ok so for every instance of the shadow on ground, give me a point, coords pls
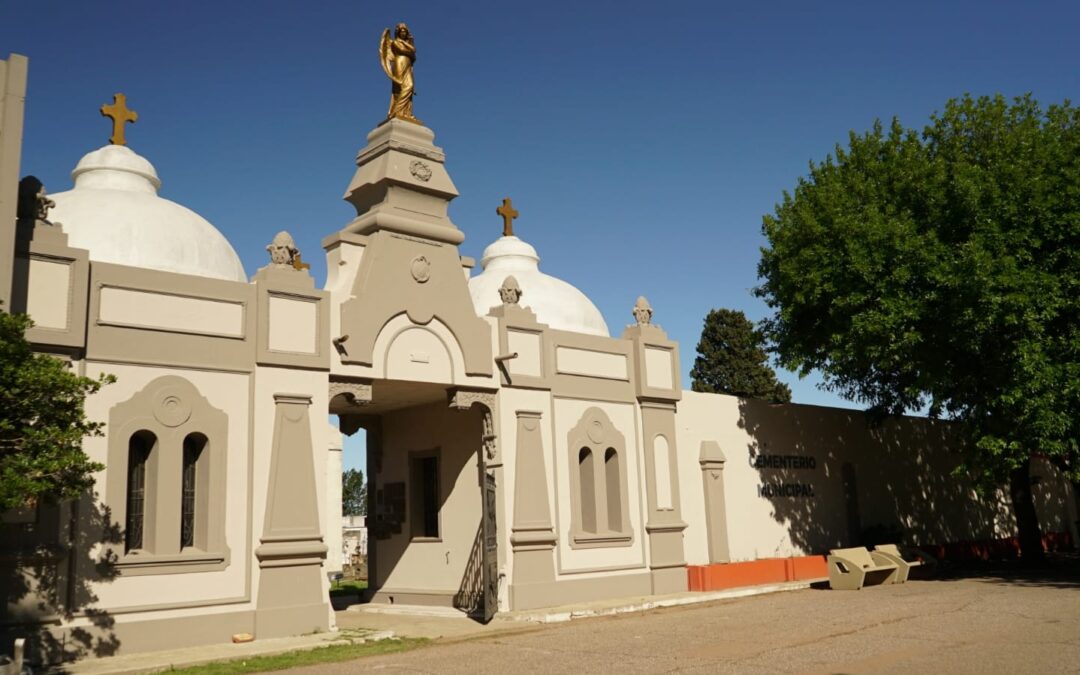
(1060, 570)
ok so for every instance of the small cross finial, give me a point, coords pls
(120, 114)
(508, 214)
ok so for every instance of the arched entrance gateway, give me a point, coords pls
(453, 380)
(413, 366)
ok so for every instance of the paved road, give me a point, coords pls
(1027, 624)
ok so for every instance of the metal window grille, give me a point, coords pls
(192, 449)
(138, 453)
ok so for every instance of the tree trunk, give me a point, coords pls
(1027, 520)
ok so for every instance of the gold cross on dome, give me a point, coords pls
(508, 214)
(120, 114)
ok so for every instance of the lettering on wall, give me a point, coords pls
(780, 487)
(783, 462)
(785, 490)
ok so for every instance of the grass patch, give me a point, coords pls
(347, 587)
(328, 654)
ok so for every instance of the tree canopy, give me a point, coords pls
(732, 360)
(42, 423)
(941, 270)
(353, 493)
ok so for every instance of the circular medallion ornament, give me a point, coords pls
(420, 268)
(421, 171)
(596, 431)
(170, 408)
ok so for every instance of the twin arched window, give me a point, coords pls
(143, 451)
(598, 480)
(170, 501)
(609, 486)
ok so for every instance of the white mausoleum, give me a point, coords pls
(520, 454)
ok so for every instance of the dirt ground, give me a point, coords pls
(1004, 620)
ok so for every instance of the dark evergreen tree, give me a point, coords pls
(732, 360)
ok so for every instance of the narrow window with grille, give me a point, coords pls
(193, 450)
(139, 446)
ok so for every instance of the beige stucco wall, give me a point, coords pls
(432, 566)
(171, 312)
(268, 382)
(903, 476)
(403, 350)
(1054, 499)
(294, 325)
(582, 561)
(510, 401)
(228, 392)
(332, 513)
(48, 293)
(12, 98)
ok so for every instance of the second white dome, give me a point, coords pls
(555, 302)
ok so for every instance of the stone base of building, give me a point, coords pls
(573, 591)
(669, 580)
(407, 596)
(297, 620)
(105, 635)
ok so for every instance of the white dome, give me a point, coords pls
(114, 212)
(555, 302)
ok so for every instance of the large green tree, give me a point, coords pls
(353, 493)
(42, 423)
(732, 360)
(941, 270)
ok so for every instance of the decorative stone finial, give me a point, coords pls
(34, 205)
(283, 251)
(508, 214)
(397, 55)
(510, 291)
(643, 311)
(120, 114)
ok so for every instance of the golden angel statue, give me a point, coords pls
(397, 56)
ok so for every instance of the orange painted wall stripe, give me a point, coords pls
(779, 570)
(755, 572)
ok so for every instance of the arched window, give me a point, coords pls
(588, 489)
(139, 446)
(599, 502)
(613, 483)
(171, 501)
(193, 488)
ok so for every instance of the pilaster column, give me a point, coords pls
(712, 476)
(532, 535)
(665, 525)
(291, 598)
(656, 379)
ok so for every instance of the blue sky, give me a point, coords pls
(641, 142)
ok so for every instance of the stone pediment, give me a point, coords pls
(411, 264)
